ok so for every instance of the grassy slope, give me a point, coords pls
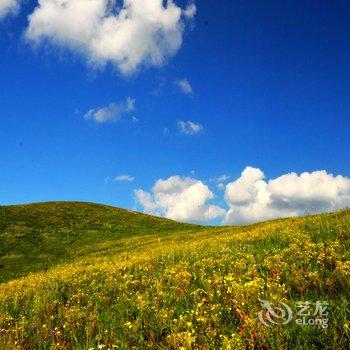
(128, 280)
(36, 237)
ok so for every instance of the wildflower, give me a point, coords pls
(128, 325)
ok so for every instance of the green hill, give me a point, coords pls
(35, 237)
(87, 276)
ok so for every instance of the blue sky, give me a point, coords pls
(270, 90)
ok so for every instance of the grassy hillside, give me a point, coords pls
(36, 237)
(109, 278)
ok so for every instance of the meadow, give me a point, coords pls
(87, 276)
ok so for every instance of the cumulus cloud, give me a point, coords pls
(189, 128)
(251, 198)
(124, 178)
(180, 198)
(8, 7)
(184, 86)
(112, 112)
(129, 34)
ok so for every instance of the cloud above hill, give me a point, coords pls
(251, 198)
(8, 7)
(112, 112)
(180, 198)
(128, 34)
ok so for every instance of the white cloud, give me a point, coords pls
(138, 33)
(8, 7)
(189, 128)
(184, 86)
(190, 11)
(112, 112)
(251, 198)
(180, 198)
(124, 178)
